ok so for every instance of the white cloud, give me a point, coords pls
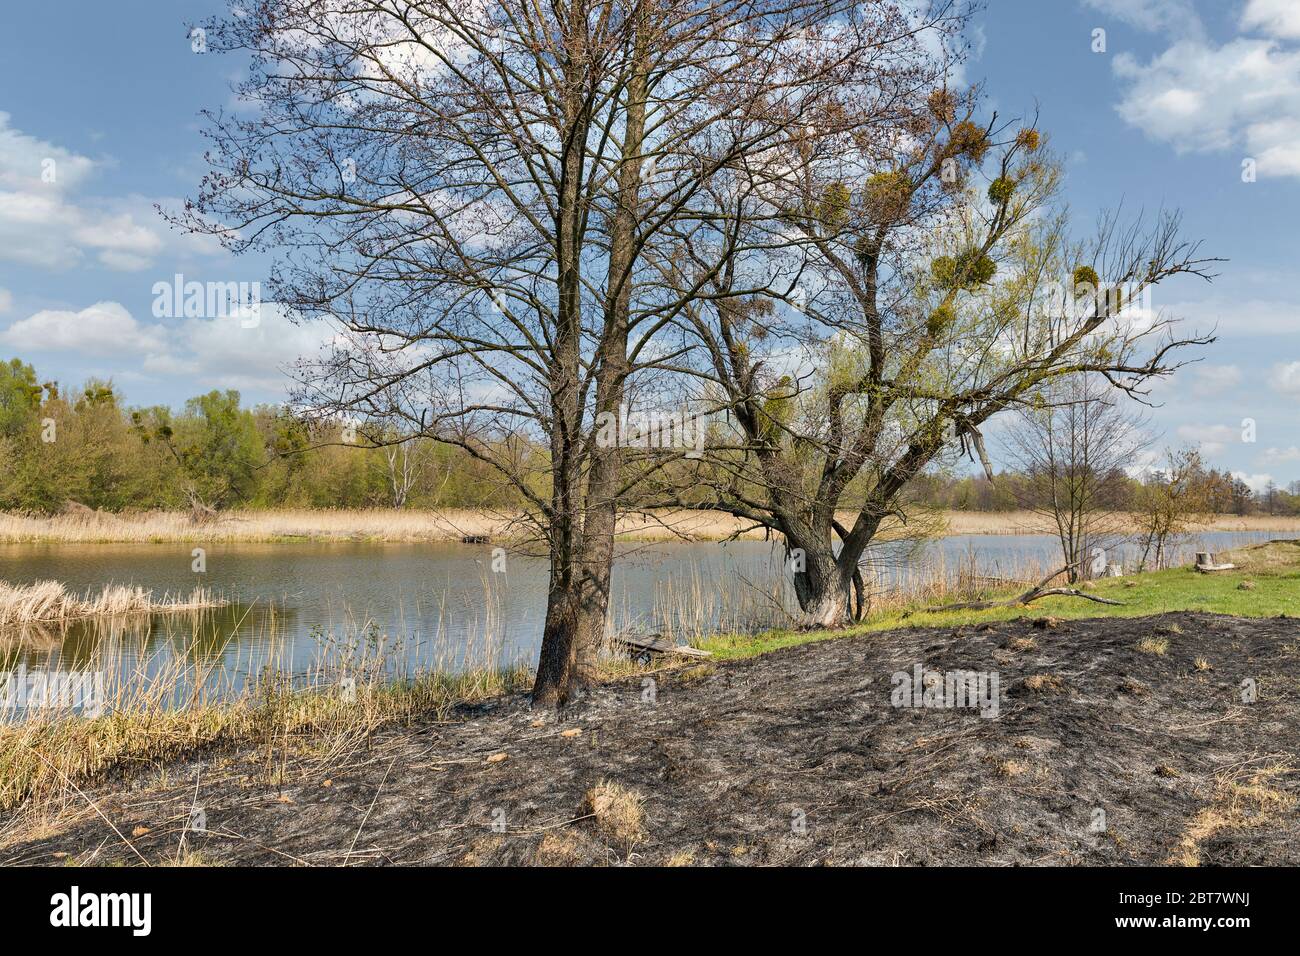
(1212, 439)
(222, 353)
(209, 352)
(1152, 15)
(6, 300)
(105, 328)
(1256, 483)
(1199, 97)
(1240, 318)
(1286, 378)
(1279, 18)
(28, 163)
(1218, 377)
(45, 223)
(1278, 456)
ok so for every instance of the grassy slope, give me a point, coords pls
(1274, 569)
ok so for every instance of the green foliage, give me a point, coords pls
(90, 449)
(940, 321)
(969, 269)
(969, 140)
(1086, 281)
(20, 398)
(889, 195)
(220, 448)
(778, 407)
(1000, 190)
(1028, 139)
(833, 211)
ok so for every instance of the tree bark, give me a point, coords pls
(557, 670)
(557, 664)
(825, 587)
(601, 512)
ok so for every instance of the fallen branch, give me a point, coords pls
(1039, 590)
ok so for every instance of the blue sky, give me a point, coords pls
(1164, 117)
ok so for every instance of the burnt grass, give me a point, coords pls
(794, 757)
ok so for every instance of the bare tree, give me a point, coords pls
(1073, 446)
(404, 460)
(474, 194)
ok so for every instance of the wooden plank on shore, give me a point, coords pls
(657, 644)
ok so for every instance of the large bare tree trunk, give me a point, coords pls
(557, 664)
(607, 463)
(557, 670)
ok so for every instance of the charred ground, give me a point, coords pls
(793, 757)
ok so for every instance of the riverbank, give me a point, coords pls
(1103, 752)
(460, 524)
(1181, 726)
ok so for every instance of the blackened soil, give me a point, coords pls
(1115, 755)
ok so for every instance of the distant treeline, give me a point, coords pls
(90, 448)
(1220, 492)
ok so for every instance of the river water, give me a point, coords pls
(302, 607)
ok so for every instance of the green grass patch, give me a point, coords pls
(1273, 567)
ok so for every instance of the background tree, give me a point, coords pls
(1074, 445)
(216, 447)
(1168, 502)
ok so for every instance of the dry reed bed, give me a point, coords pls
(50, 603)
(382, 524)
(369, 524)
(1028, 522)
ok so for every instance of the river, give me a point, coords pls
(306, 607)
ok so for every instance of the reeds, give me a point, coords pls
(1029, 522)
(453, 524)
(49, 603)
(182, 696)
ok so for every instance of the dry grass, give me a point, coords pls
(189, 697)
(50, 603)
(1242, 800)
(364, 524)
(1040, 683)
(695, 608)
(42, 759)
(1028, 522)
(1153, 645)
(379, 524)
(617, 811)
(1131, 685)
(559, 849)
(452, 524)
